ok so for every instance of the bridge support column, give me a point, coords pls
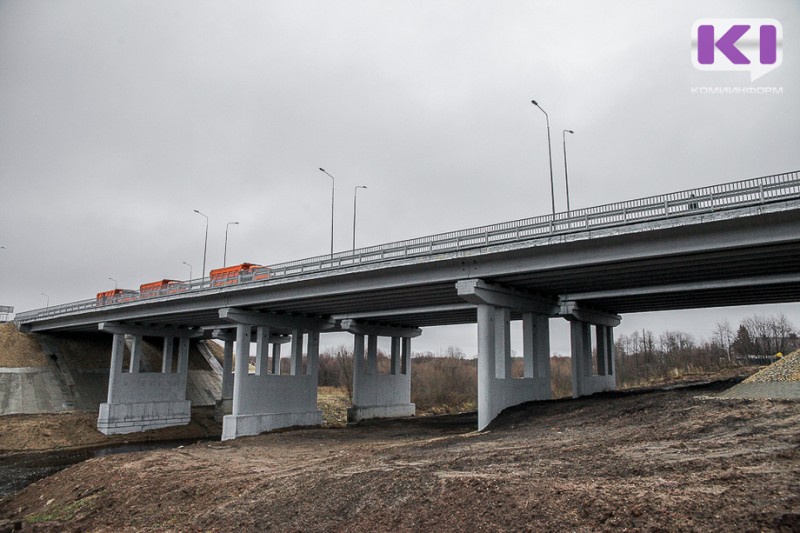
(224, 404)
(378, 395)
(227, 375)
(497, 389)
(138, 401)
(264, 400)
(588, 376)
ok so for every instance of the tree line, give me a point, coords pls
(643, 357)
(447, 382)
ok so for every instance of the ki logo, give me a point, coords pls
(754, 45)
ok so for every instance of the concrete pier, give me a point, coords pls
(138, 401)
(224, 404)
(264, 400)
(497, 389)
(587, 377)
(378, 395)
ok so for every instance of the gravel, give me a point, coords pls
(786, 368)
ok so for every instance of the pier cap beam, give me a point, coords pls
(230, 335)
(121, 328)
(276, 321)
(574, 312)
(478, 292)
(364, 328)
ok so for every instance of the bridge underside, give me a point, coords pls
(259, 395)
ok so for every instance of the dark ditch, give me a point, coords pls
(20, 470)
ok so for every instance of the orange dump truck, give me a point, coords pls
(115, 296)
(233, 275)
(161, 287)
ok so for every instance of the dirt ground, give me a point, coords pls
(73, 430)
(657, 461)
(78, 429)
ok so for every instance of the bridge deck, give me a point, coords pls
(731, 244)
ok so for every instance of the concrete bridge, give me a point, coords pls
(731, 244)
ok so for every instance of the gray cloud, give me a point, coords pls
(120, 118)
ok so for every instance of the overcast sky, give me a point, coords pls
(119, 118)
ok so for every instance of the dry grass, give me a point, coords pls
(442, 385)
(333, 402)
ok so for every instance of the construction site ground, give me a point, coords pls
(663, 460)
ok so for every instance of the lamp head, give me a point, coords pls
(534, 103)
(569, 131)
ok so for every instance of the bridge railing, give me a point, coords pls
(746, 193)
(694, 201)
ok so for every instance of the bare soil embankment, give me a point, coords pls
(18, 350)
(658, 461)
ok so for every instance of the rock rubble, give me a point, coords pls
(786, 368)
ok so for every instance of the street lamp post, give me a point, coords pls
(115, 283)
(205, 245)
(190, 269)
(355, 196)
(566, 178)
(550, 154)
(333, 193)
(225, 255)
(47, 301)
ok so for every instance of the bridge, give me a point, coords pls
(732, 244)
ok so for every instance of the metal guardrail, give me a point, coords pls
(739, 194)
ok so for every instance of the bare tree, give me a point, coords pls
(455, 352)
(764, 335)
(344, 356)
(723, 338)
